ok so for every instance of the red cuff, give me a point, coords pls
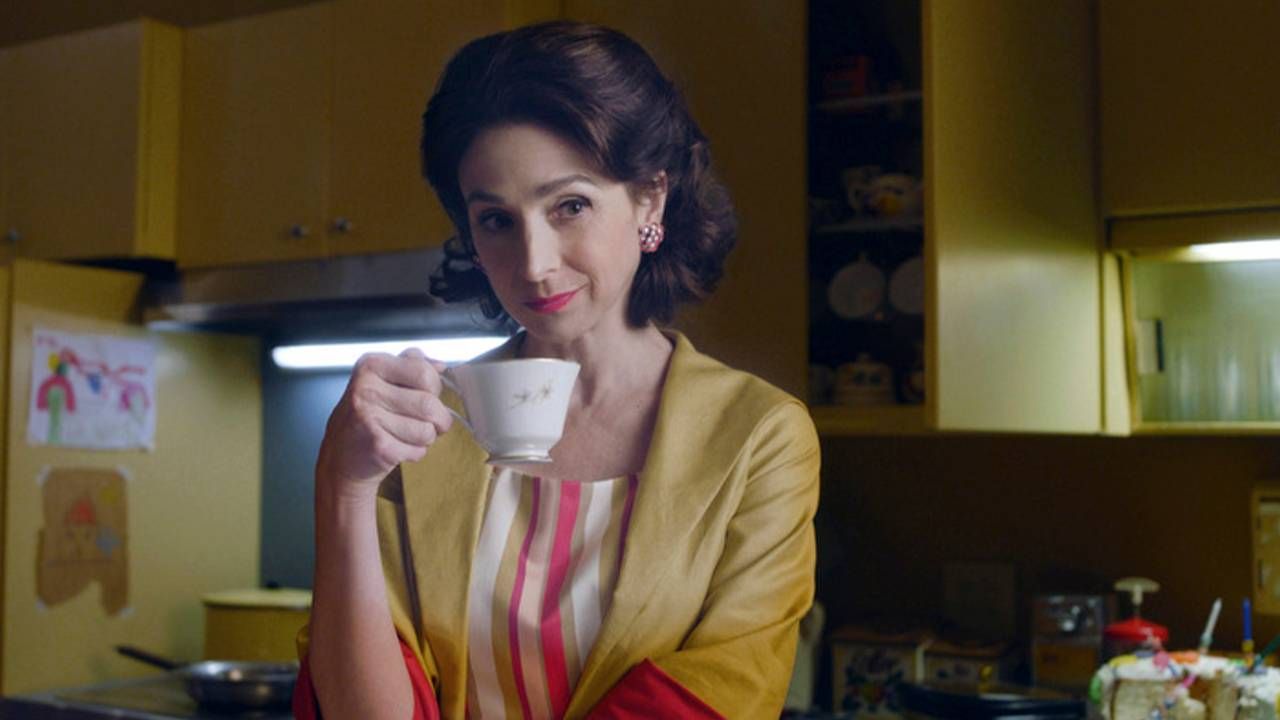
(648, 692)
(307, 707)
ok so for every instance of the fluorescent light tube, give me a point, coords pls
(344, 355)
(1243, 250)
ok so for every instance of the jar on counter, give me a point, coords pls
(868, 666)
(254, 624)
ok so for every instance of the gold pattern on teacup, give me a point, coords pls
(528, 396)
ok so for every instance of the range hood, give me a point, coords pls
(354, 297)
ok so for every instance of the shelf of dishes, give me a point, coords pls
(866, 333)
(872, 200)
(865, 102)
(836, 420)
(872, 225)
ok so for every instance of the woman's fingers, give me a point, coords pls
(414, 353)
(413, 433)
(437, 413)
(417, 434)
(410, 369)
(418, 405)
(389, 449)
(439, 367)
(391, 413)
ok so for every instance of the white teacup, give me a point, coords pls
(515, 408)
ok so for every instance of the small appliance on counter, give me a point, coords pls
(1067, 639)
(1136, 633)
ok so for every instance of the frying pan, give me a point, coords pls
(227, 684)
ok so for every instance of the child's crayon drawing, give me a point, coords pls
(92, 391)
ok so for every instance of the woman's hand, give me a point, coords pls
(390, 413)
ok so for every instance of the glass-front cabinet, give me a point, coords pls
(866, 216)
(1201, 309)
(1208, 345)
(953, 231)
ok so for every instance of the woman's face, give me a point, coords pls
(558, 240)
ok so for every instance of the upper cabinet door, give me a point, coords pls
(256, 138)
(89, 143)
(1190, 111)
(386, 64)
(1012, 233)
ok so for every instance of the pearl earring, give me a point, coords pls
(650, 237)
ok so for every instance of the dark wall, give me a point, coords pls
(1070, 513)
(295, 407)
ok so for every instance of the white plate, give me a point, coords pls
(906, 287)
(857, 290)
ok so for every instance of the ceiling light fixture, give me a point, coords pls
(333, 356)
(1234, 251)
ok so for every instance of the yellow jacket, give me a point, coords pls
(719, 559)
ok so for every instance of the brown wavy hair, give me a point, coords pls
(600, 90)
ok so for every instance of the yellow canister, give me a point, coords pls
(254, 624)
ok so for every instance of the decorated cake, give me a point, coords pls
(1184, 686)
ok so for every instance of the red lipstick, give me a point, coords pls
(551, 303)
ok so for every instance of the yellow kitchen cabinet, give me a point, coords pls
(302, 127)
(1190, 116)
(1012, 236)
(193, 503)
(387, 57)
(255, 138)
(89, 143)
(1011, 251)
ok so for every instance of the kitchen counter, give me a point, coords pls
(160, 696)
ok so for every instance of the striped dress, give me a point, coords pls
(544, 571)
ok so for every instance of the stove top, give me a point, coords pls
(158, 697)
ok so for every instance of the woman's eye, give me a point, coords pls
(494, 222)
(573, 207)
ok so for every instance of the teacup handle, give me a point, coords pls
(449, 383)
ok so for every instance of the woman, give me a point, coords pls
(659, 565)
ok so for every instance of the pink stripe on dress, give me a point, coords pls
(530, 612)
(552, 638)
(513, 619)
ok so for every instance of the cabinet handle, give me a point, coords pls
(342, 225)
(12, 236)
(299, 231)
